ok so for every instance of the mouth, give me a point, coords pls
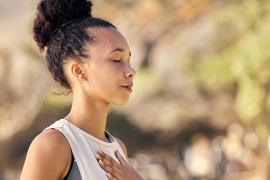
(128, 87)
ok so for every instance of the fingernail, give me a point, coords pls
(100, 162)
(97, 156)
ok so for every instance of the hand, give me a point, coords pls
(116, 171)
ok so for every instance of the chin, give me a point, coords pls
(120, 102)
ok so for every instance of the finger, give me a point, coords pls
(105, 167)
(120, 158)
(106, 156)
(110, 163)
(108, 160)
(113, 172)
(110, 177)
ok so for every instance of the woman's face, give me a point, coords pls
(108, 67)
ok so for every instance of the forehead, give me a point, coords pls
(108, 39)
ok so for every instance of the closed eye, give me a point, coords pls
(117, 60)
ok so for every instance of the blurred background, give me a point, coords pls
(200, 105)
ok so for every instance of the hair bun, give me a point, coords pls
(52, 14)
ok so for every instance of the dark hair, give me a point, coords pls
(61, 27)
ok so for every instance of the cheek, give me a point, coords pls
(106, 77)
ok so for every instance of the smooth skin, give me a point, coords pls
(96, 84)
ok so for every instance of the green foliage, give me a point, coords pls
(245, 61)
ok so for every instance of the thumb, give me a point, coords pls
(120, 158)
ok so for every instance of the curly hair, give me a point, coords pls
(61, 27)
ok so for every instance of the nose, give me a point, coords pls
(130, 72)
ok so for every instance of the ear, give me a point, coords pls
(78, 71)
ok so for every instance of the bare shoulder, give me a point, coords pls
(123, 146)
(48, 152)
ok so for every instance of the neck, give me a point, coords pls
(89, 115)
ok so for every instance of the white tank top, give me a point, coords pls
(84, 147)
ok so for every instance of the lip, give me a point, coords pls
(128, 86)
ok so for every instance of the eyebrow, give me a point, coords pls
(120, 50)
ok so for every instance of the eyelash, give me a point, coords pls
(117, 60)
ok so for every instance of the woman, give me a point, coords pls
(91, 58)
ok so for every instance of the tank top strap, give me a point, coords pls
(84, 147)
